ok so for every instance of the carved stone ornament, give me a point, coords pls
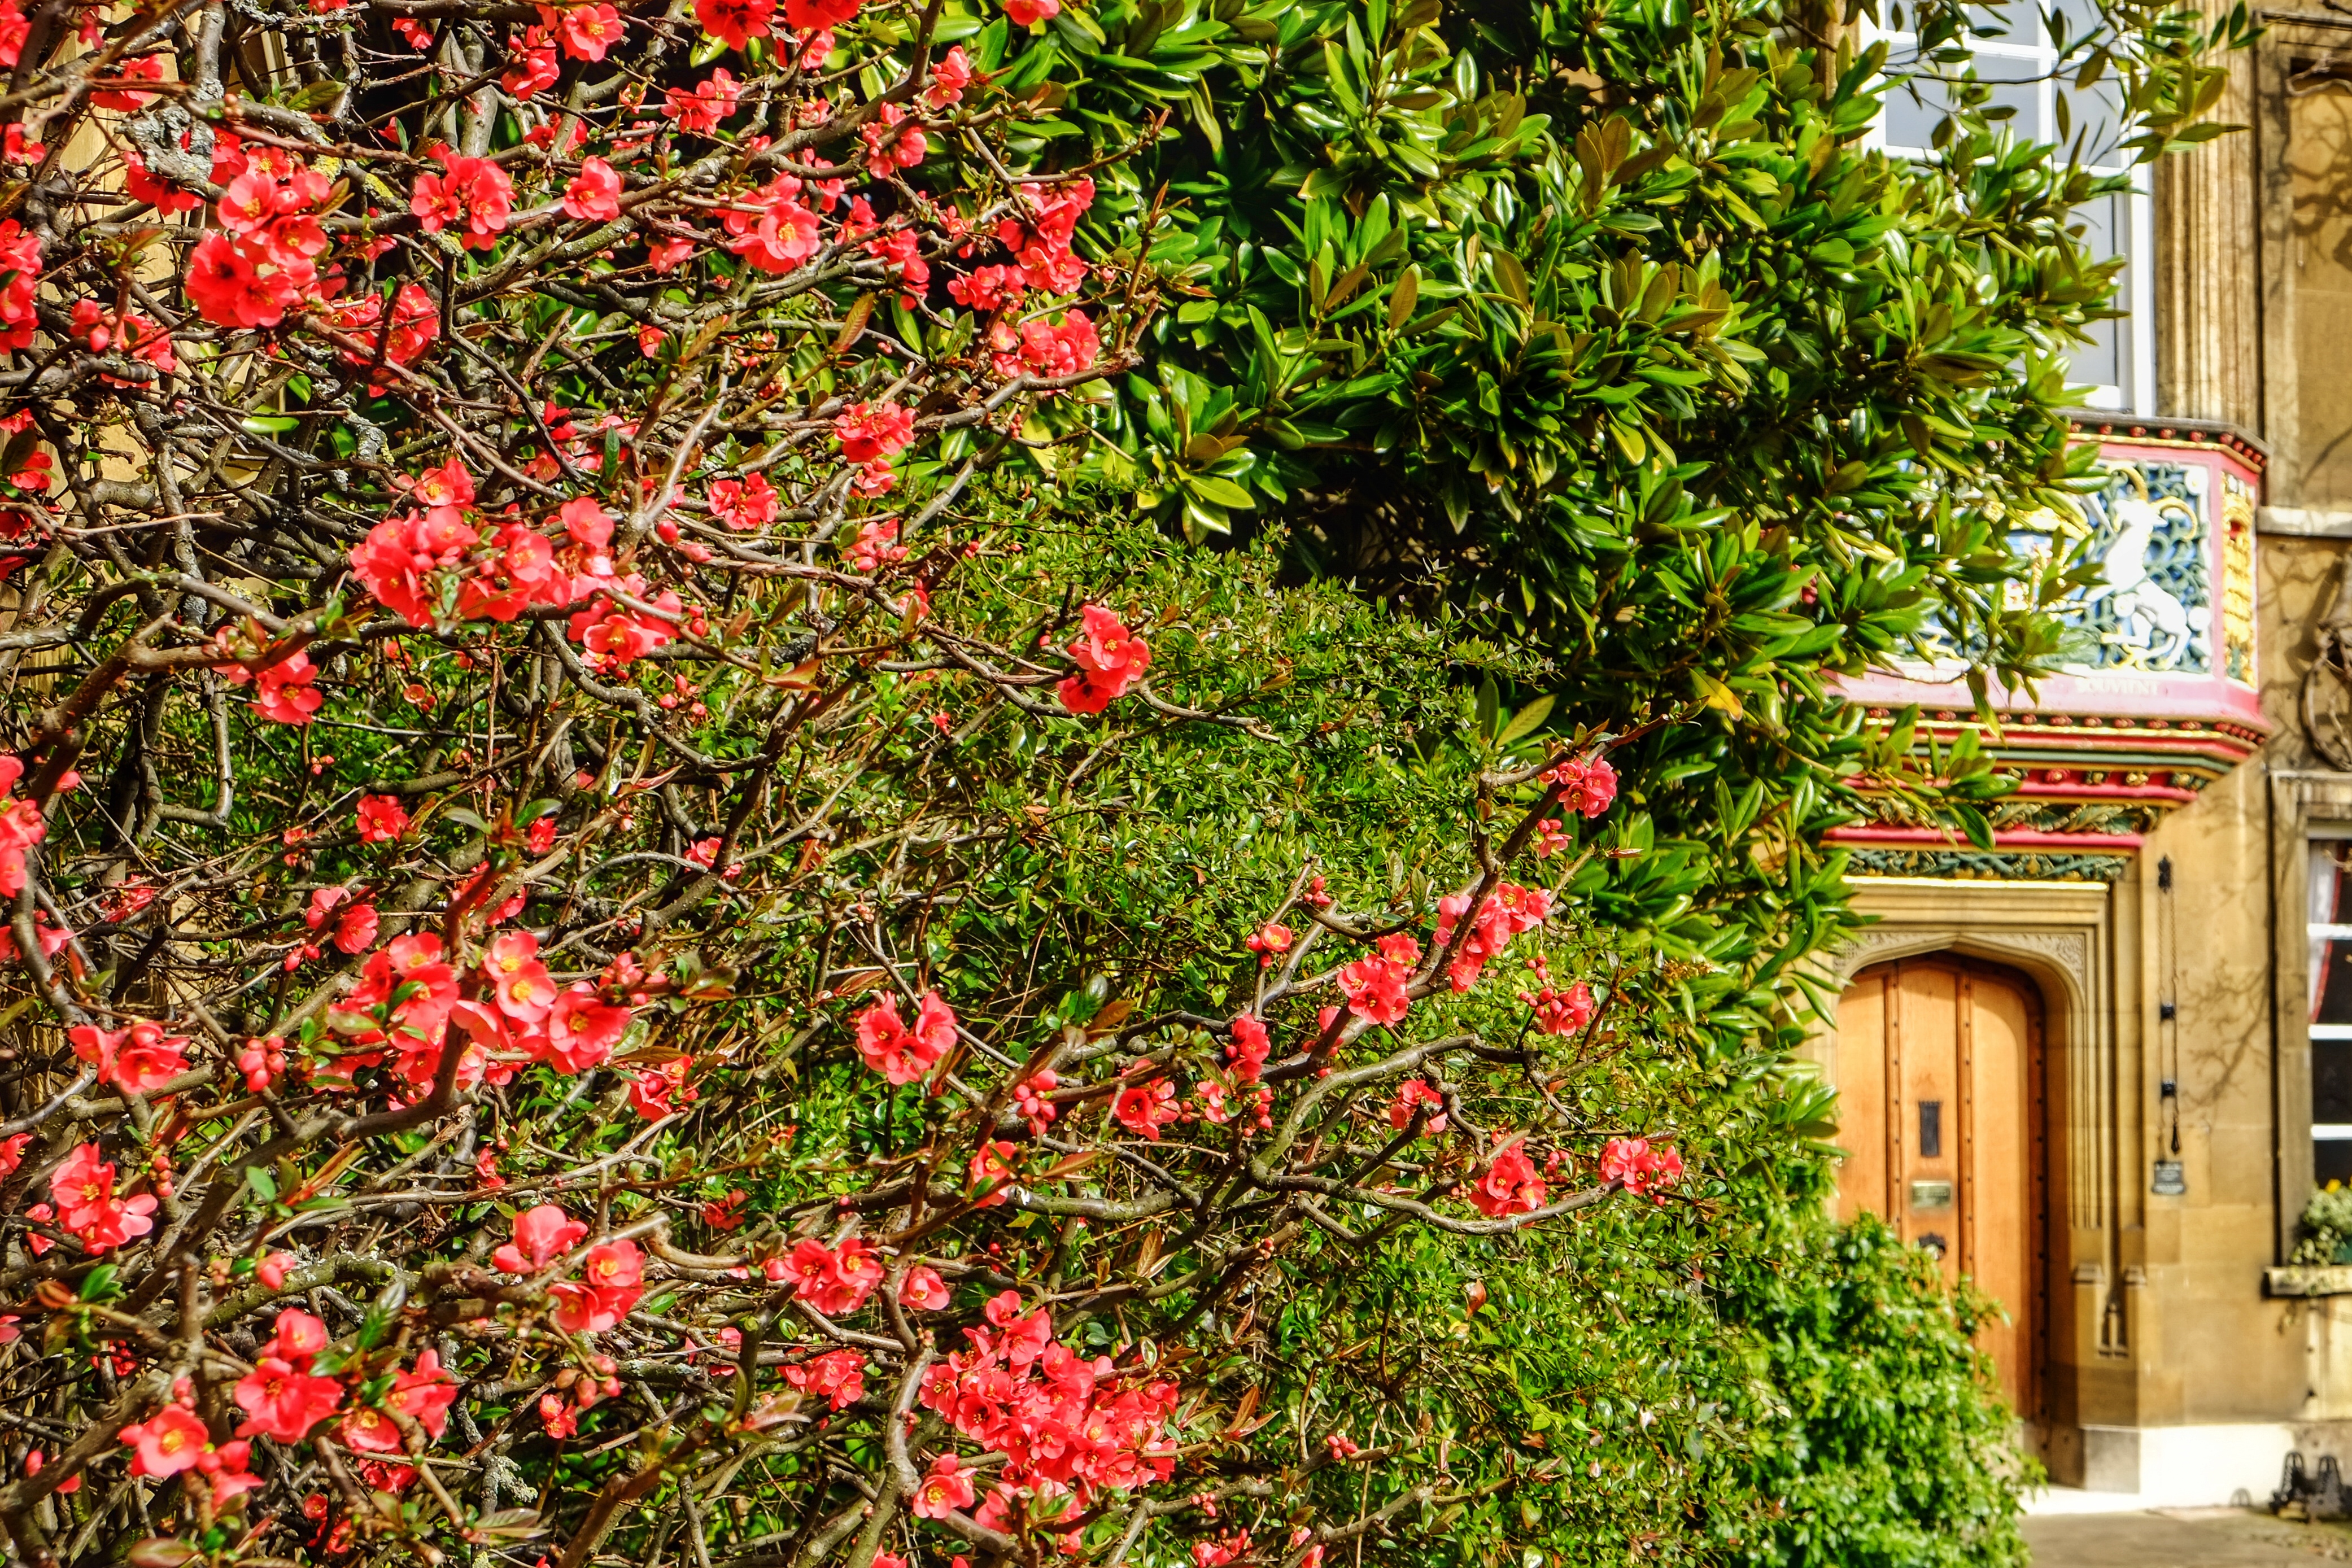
(2328, 684)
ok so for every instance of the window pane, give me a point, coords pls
(2331, 1081)
(2096, 117)
(2101, 362)
(2331, 1160)
(2330, 900)
(1912, 112)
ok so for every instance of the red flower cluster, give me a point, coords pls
(774, 229)
(1247, 1052)
(744, 505)
(21, 827)
(286, 695)
(838, 1378)
(176, 1440)
(416, 323)
(1507, 912)
(280, 1398)
(1635, 1165)
(902, 1054)
(1046, 350)
(424, 1394)
(1509, 1183)
(1589, 786)
(20, 276)
(83, 1188)
(133, 1059)
(612, 1281)
(1110, 658)
(541, 1235)
(263, 260)
(1065, 1424)
(835, 1280)
(1561, 1012)
(1144, 1108)
(711, 101)
(472, 198)
(1375, 987)
(528, 1016)
(123, 332)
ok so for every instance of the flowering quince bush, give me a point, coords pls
(608, 1096)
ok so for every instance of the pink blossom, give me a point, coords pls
(595, 192)
(541, 1235)
(168, 1442)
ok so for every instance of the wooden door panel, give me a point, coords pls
(1999, 1186)
(1940, 1100)
(1862, 1095)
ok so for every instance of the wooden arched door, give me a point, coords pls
(1939, 1077)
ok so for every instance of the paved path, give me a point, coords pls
(2183, 1538)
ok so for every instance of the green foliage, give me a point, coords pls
(2325, 1227)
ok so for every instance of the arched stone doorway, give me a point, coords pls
(1941, 1078)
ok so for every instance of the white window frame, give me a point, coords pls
(2136, 331)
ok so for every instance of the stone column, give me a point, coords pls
(2208, 282)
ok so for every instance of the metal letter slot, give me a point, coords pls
(1931, 1129)
(1931, 1195)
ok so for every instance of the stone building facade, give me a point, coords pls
(2103, 1067)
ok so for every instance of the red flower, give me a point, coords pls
(83, 1187)
(282, 1403)
(871, 430)
(1248, 1051)
(735, 22)
(1268, 940)
(472, 197)
(1145, 1108)
(898, 1053)
(1509, 1183)
(586, 31)
(541, 1235)
(1589, 787)
(950, 77)
(286, 696)
(1375, 988)
(382, 821)
(924, 1290)
(425, 1392)
(168, 1442)
(582, 1029)
(133, 1059)
(1110, 658)
(596, 193)
(991, 1172)
(1029, 13)
(1633, 1164)
(944, 1490)
(613, 1278)
(1412, 1095)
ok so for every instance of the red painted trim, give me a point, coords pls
(2035, 788)
(2006, 838)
